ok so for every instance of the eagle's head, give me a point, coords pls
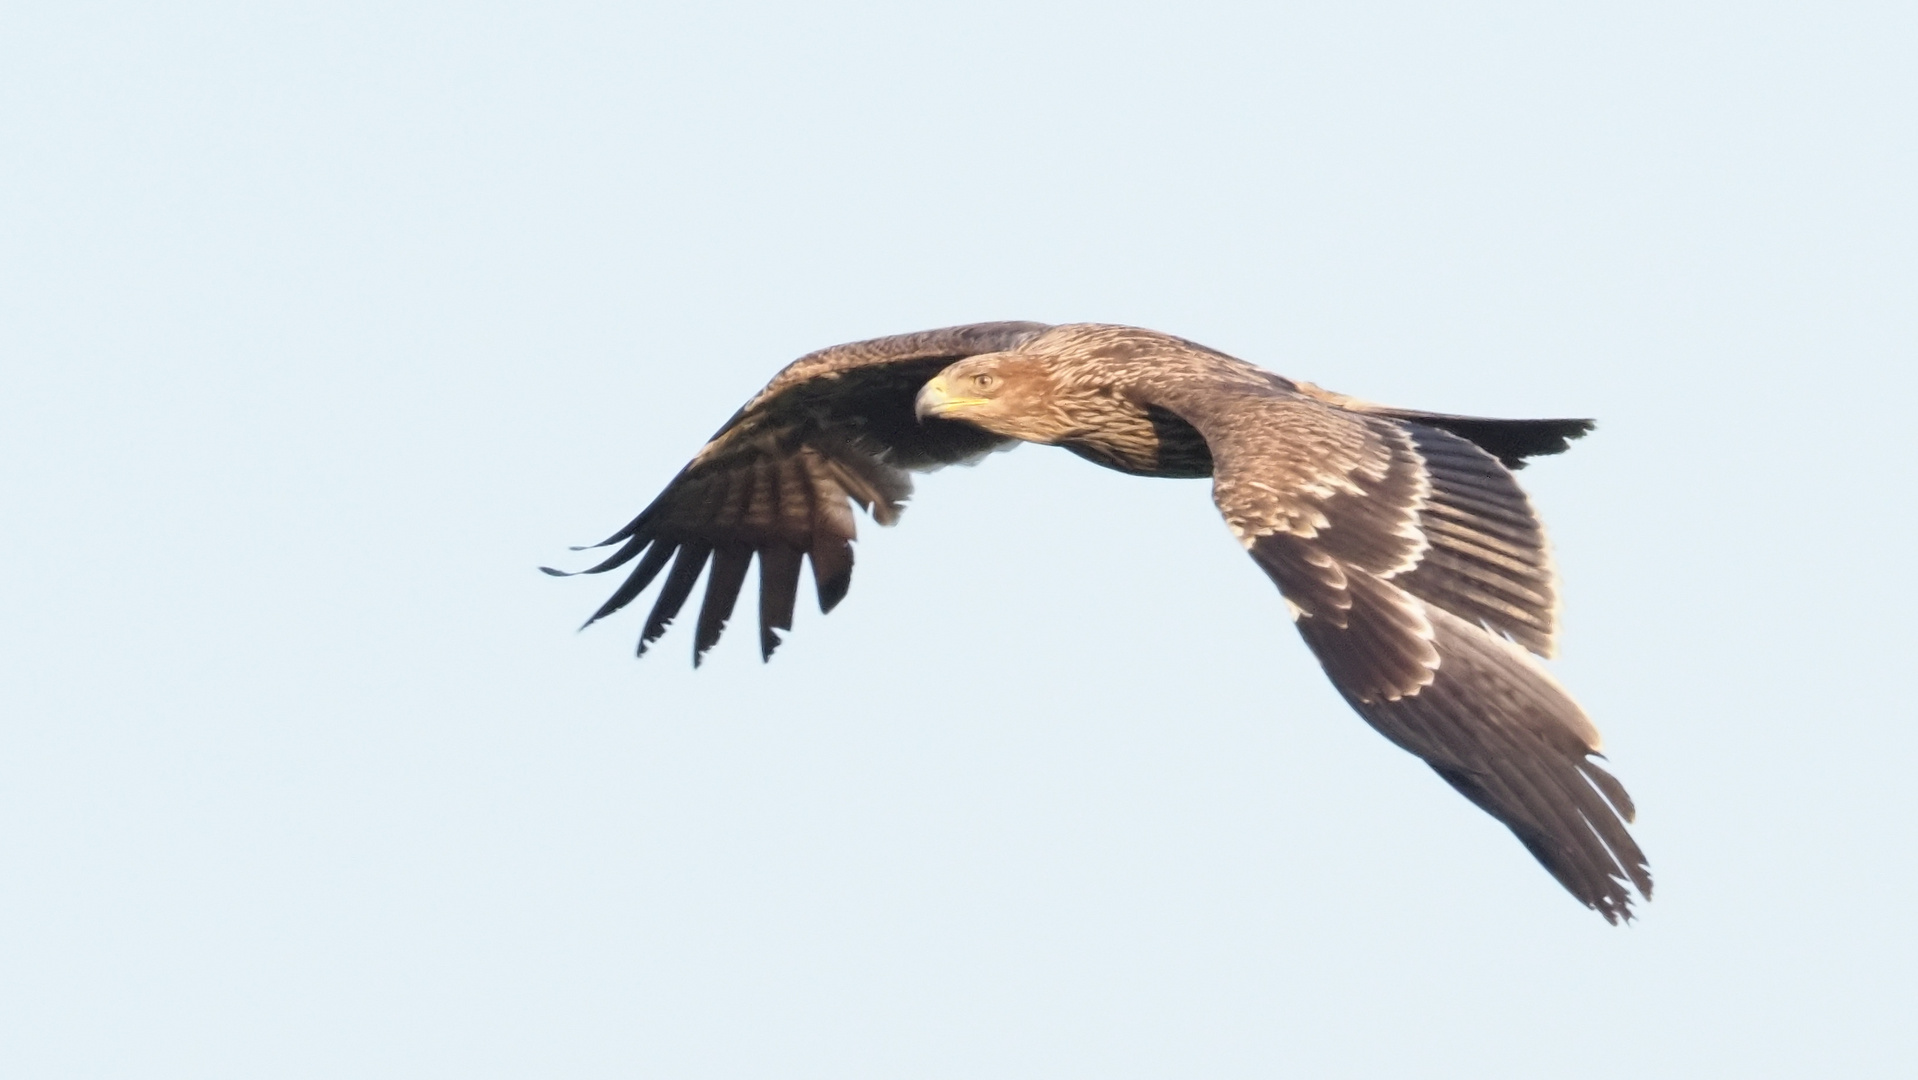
(1010, 394)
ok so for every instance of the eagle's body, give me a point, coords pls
(1413, 564)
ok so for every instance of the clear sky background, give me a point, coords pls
(321, 326)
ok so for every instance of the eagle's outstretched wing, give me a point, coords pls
(1416, 569)
(834, 425)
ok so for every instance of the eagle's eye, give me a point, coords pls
(984, 381)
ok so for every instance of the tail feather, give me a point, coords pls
(1510, 441)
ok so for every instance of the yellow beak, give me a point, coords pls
(934, 401)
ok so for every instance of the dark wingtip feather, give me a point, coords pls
(779, 567)
(618, 558)
(613, 539)
(722, 591)
(672, 595)
(634, 545)
(636, 582)
(832, 591)
(831, 558)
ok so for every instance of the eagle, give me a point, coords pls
(1413, 565)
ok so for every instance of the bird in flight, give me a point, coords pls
(1412, 564)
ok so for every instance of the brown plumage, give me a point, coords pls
(1414, 566)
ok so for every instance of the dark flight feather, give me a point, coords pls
(635, 583)
(687, 566)
(778, 589)
(722, 592)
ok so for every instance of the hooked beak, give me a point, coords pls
(934, 401)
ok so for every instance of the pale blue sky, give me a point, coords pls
(322, 326)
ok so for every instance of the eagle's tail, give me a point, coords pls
(1510, 441)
